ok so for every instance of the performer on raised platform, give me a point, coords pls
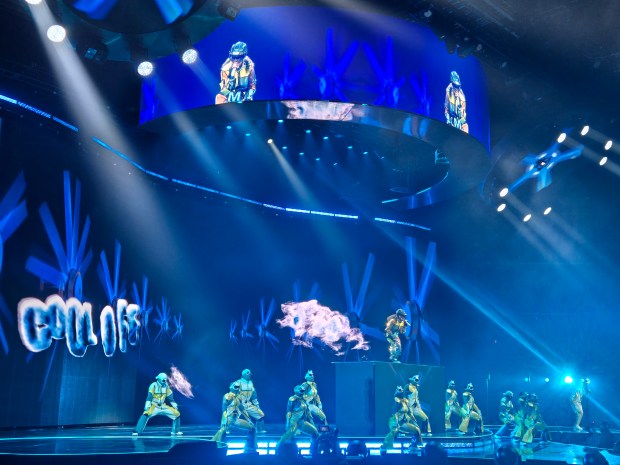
(234, 415)
(160, 401)
(395, 325)
(249, 399)
(533, 421)
(311, 396)
(452, 404)
(506, 415)
(575, 402)
(414, 402)
(401, 420)
(470, 411)
(298, 416)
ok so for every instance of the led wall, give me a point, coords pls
(325, 54)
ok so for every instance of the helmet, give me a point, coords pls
(586, 381)
(415, 379)
(400, 312)
(469, 387)
(246, 374)
(399, 392)
(310, 375)
(533, 398)
(238, 51)
(300, 390)
(452, 384)
(455, 79)
(235, 386)
(508, 394)
(162, 378)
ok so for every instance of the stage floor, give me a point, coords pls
(118, 440)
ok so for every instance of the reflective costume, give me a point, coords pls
(395, 325)
(533, 421)
(470, 411)
(519, 417)
(575, 403)
(452, 404)
(311, 396)
(414, 402)
(401, 421)
(237, 76)
(247, 396)
(298, 416)
(455, 104)
(506, 415)
(235, 416)
(160, 401)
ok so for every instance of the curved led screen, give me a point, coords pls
(312, 53)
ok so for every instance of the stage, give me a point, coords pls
(106, 444)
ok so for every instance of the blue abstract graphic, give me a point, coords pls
(146, 307)
(331, 82)
(262, 328)
(162, 320)
(110, 284)
(290, 78)
(389, 87)
(12, 214)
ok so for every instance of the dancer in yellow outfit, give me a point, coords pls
(575, 402)
(533, 421)
(452, 404)
(506, 414)
(298, 416)
(311, 396)
(395, 325)
(401, 420)
(235, 416)
(414, 402)
(160, 401)
(470, 411)
(249, 399)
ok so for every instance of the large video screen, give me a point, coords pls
(313, 53)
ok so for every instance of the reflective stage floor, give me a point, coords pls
(115, 444)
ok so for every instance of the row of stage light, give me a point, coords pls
(57, 33)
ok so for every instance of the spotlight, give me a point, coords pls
(503, 192)
(585, 130)
(501, 208)
(56, 33)
(568, 379)
(547, 211)
(608, 145)
(228, 9)
(527, 217)
(562, 137)
(547, 380)
(189, 56)
(33, 2)
(145, 68)
(603, 161)
(270, 141)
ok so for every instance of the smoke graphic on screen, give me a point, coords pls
(179, 382)
(310, 320)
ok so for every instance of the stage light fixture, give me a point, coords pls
(140, 57)
(189, 56)
(527, 217)
(608, 145)
(228, 9)
(145, 68)
(503, 192)
(33, 2)
(93, 51)
(603, 161)
(501, 208)
(585, 130)
(547, 211)
(568, 379)
(562, 137)
(56, 33)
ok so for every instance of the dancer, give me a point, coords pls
(395, 325)
(470, 411)
(575, 402)
(311, 396)
(533, 422)
(414, 402)
(160, 401)
(517, 433)
(249, 399)
(505, 413)
(235, 416)
(455, 105)
(452, 404)
(298, 416)
(403, 421)
(237, 76)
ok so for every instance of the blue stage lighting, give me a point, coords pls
(568, 379)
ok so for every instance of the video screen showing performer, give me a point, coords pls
(237, 76)
(455, 105)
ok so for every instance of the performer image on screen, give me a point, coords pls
(395, 325)
(249, 399)
(414, 402)
(160, 401)
(401, 421)
(235, 416)
(311, 396)
(455, 104)
(506, 415)
(575, 402)
(298, 416)
(470, 411)
(452, 404)
(237, 76)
